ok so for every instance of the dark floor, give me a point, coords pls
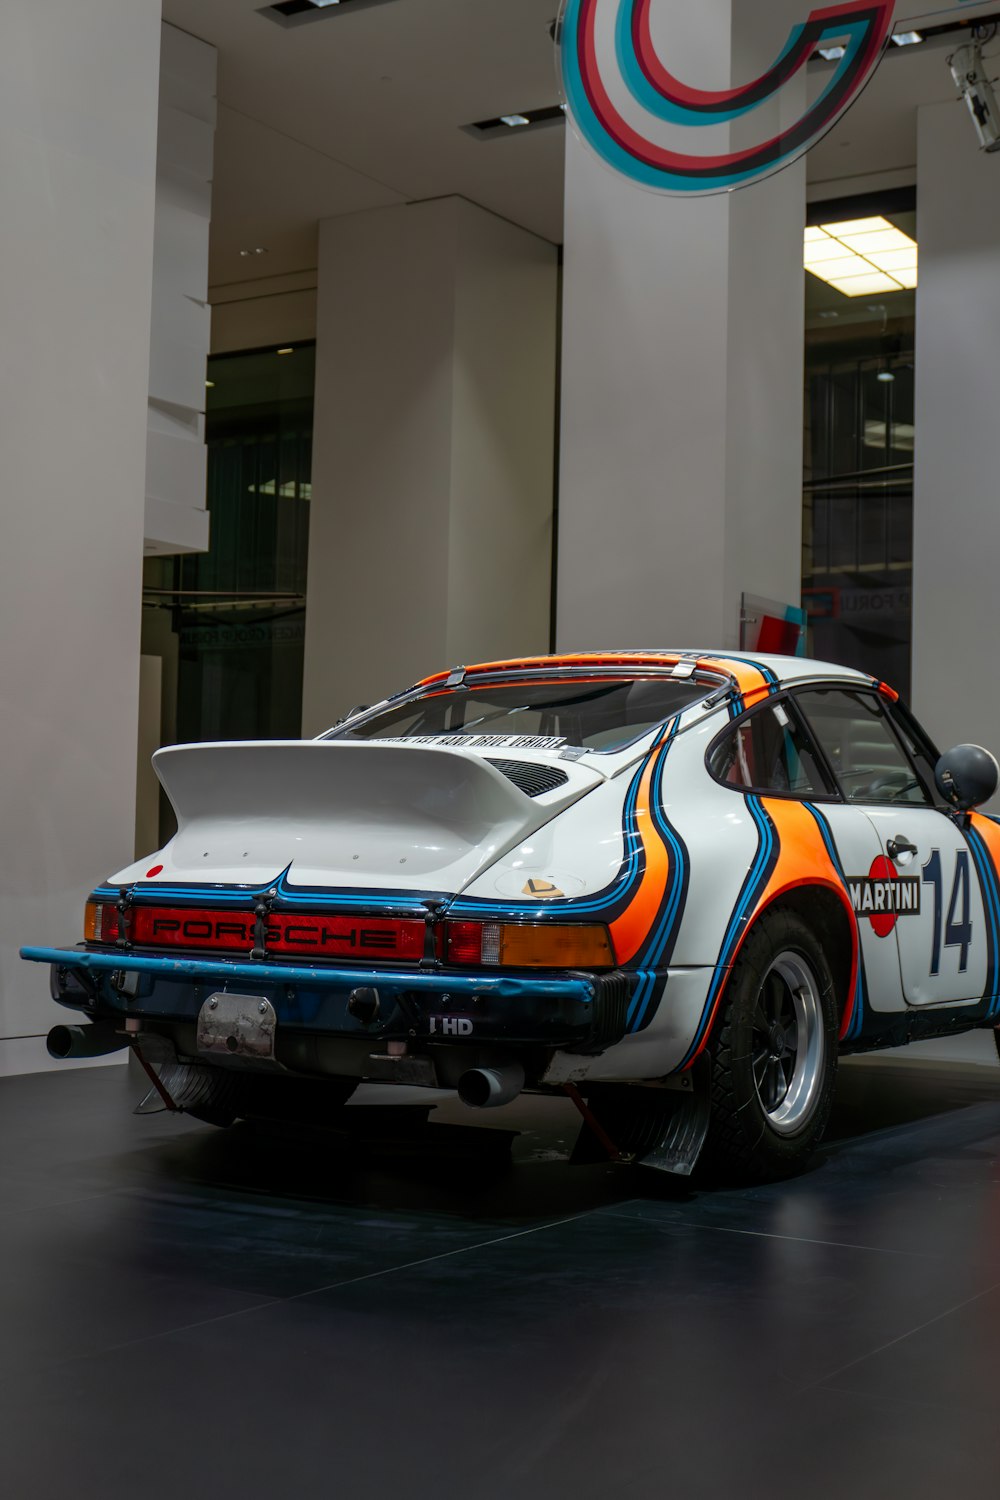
(195, 1313)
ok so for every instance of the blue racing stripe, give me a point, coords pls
(750, 893)
(859, 998)
(991, 901)
(651, 959)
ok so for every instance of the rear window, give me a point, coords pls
(591, 715)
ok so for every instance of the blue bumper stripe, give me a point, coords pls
(538, 986)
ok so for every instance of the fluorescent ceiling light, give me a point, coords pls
(894, 260)
(907, 38)
(864, 284)
(856, 226)
(515, 119)
(831, 54)
(876, 244)
(860, 257)
(820, 255)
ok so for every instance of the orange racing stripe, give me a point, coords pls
(803, 860)
(632, 928)
(989, 832)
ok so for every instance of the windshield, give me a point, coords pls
(591, 715)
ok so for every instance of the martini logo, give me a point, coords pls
(642, 120)
(883, 896)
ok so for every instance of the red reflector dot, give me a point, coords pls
(155, 870)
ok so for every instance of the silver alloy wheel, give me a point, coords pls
(788, 1043)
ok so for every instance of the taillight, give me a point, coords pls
(526, 945)
(100, 922)
(473, 942)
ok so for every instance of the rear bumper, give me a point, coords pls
(566, 1011)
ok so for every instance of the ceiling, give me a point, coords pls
(362, 109)
(365, 109)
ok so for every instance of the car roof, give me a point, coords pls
(785, 669)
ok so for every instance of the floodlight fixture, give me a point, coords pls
(968, 70)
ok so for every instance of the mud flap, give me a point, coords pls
(661, 1128)
(212, 1094)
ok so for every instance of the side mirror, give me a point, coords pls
(967, 776)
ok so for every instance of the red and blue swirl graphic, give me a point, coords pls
(607, 52)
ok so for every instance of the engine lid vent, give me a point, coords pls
(529, 777)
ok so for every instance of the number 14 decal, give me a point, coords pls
(957, 928)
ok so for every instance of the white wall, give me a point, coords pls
(956, 510)
(78, 91)
(176, 512)
(433, 450)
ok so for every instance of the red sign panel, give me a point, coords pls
(303, 933)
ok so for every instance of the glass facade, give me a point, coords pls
(230, 623)
(858, 485)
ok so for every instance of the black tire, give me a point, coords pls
(774, 1063)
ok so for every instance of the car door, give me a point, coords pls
(922, 890)
(772, 751)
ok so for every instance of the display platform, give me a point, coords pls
(188, 1311)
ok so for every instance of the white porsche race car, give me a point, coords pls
(675, 885)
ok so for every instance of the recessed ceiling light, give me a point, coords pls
(831, 54)
(498, 125)
(257, 250)
(861, 257)
(885, 376)
(907, 38)
(209, 385)
(291, 12)
(285, 351)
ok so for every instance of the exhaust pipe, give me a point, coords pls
(487, 1088)
(85, 1041)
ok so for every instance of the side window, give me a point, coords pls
(768, 751)
(866, 757)
(919, 749)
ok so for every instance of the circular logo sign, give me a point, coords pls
(657, 128)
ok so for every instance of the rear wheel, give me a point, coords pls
(775, 1056)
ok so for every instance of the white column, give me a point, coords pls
(681, 434)
(78, 93)
(430, 534)
(956, 512)
(176, 503)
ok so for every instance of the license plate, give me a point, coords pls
(237, 1026)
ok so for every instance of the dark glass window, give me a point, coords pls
(859, 442)
(230, 623)
(769, 751)
(867, 759)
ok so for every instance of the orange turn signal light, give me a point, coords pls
(100, 922)
(528, 945)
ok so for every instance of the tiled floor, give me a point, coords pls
(191, 1312)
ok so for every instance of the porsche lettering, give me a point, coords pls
(282, 933)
